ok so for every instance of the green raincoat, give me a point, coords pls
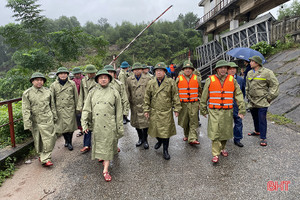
(123, 75)
(188, 116)
(85, 86)
(220, 121)
(160, 102)
(38, 117)
(262, 87)
(65, 101)
(103, 109)
(120, 87)
(136, 92)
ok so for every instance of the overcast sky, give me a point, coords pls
(115, 11)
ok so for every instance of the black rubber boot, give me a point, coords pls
(66, 139)
(166, 146)
(158, 144)
(140, 134)
(124, 119)
(70, 136)
(145, 138)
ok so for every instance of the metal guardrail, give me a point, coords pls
(213, 12)
(11, 119)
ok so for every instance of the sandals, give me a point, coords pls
(254, 133)
(194, 142)
(263, 142)
(224, 153)
(215, 159)
(85, 149)
(107, 176)
(79, 134)
(185, 139)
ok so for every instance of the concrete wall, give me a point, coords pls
(206, 6)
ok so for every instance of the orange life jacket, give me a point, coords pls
(221, 97)
(188, 91)
(172, 68)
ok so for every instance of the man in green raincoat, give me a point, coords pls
(103, 107)
(161, 99)
(136, 86)
(123, 75)
(146, 70)
(39, 117)
(65, 96)
(262, 87)
(217, 101)
(86, 85)
(120, 87)
(190, 90)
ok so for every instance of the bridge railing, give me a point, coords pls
(11, 120)
(213, 11)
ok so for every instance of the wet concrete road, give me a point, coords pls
(190, 174)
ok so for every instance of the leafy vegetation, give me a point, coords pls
(286, 44)
(279, 119)
(263, 47)
(266, 49)
(8, 169)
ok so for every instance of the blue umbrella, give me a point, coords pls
(245, 53)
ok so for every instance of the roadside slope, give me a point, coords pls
(286, 66)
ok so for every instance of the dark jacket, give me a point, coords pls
(241, 83)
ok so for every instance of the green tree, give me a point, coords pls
(67, 44)
(34, 59)
(93, 29)
(103, 23)
(189, 20)
(15, 81)
(99, 44)
(15, 35)
(27, 12)
(64, 22)
(291, 11)
(30, 31)
(5, 51)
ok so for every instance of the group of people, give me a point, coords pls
(98, 104)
